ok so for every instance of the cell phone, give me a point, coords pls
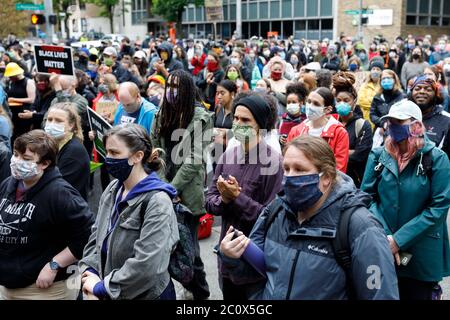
(235, 234)
(225, 176)
(405, 258)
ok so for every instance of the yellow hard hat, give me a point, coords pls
(12, 69)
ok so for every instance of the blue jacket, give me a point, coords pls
(146, 116)
(413, 209)
(300, 262)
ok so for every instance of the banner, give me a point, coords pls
(99, 126)
(107, 107)
(214, 10)
(54, 59)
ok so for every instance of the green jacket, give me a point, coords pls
(190, 167)
(413, 209)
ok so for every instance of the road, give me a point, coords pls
(210, 259)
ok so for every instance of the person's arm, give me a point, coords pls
(341, 150)
(369, 185)
(436, 212)
(375, 117)
(31, 94)
(213, 202)
(69, 166)
(363, 144)
(403, 75)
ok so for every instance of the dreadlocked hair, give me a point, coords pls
(343, 82)
(179, 114)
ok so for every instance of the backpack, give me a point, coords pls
(340, 243)
(181, 264)
(359, 123)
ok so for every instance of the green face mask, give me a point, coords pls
(108, 62)
(233, 75)
(243, 133)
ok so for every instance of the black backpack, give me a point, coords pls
(340, 243)
(181, 264)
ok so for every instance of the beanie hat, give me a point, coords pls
(259, 108)
(376, 63)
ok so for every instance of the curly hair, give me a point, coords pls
(343, 82)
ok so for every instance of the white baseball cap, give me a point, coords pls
(140, 54)
(403, 110)
(110, 51)
(313, 66)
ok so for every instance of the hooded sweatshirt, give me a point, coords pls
(51, 217)
(437, 124)
(170, 64)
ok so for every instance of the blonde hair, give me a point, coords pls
(3, 113)
(397, 84)
(73, 117)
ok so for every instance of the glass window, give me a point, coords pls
(254, 29)
(313, 24)
(138, 12)
(312, 8)
(287, 29)
(436, 7)
(286, 9)
(191, 14)
(446, 21)
(185, 18)
(423, 21)
(275, 9)
(208, 28)
(263, 10)
(326, 7)
(299, 8)
(244, 11)
(411, 20)
(411, 6)
(327, 24)
(233, 12)
(447, 8)
(424, 6)
(276, 26)
(225, 13)
(253, 11)
(435, 21)
(198, 14)
(300, 25)
(245, 31)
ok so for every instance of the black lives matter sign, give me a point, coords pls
(54, 59)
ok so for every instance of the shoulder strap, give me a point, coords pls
(144, 204)
(358, 127)
(273, 209)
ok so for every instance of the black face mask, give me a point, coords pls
(416, 56)
(383, 53)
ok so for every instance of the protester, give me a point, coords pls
(369, 89)
(414, 67)
(44, 201)
(209, 78)
(408, 181)
(128, 258)
(113, 66)
(315, 194)
(233, 73)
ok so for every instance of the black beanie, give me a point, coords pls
(259, 108)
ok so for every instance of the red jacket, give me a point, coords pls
(336, 136)
(198, 64)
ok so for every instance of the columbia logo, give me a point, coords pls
(315, 249)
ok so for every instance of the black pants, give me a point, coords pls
(198, 286)
(233, 292)
(412, 289)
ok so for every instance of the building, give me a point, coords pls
(318, 19)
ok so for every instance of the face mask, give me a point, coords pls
(56, 130)
(276, 75)
(302, 192)
(399, 132)
(266, 53)
(22, 170)
(375, 74)
(260, 90)
(212, 65)
(362, 56)
(353, 67)
(108, 62)
(313, 112)
(392, 54)
(442, 47)
(92, 67)
(411, 46)
(103, 88)
(119, 168)
(293, 108)
(383, 53)
(171, 97)
(234, 61)
(41, 86)
(233, 75)
(282, 55)
(343, 109)
(387, 83)
(252, 56)
(174, 55)
(155, 100)
(294, 60)
(331, 52)
(416, 56)
(66, 93)
(243, 134)
(296, 48)
(199, 52)
(164, 56)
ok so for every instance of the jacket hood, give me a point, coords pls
(166, 46)
(436, 110)
(152, 183)
(50, 175)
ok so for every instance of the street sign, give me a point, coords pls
(357, 12)
(29, 7)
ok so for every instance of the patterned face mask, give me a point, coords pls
(243, 133)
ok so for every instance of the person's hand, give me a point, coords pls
(106, 115)
(46, 277)
(91, 135)
(26, 114)
(159, 66)
(135, 70)
(394, 248)
(89, 280)
(229, 189)
(221, 136)
(210, 78)
(11, 99)
(234, 248)
(283, 140)
(54, 81)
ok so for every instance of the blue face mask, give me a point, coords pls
(303, 109)
(343, 109)
(118, 168)
(353, 67)
(387, 83)
(398, 132)
(302, 192)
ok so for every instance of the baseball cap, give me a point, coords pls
(313, 66)
(403, 110)
(110, 51)
(140, 55)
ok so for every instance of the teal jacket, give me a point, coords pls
(146, 115)
(413, 209)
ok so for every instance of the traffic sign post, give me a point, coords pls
(358, 12)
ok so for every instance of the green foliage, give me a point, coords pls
(172, 10)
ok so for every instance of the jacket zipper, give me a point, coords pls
(291, 278)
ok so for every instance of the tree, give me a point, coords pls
(172, 11)
(12, 21)
(61, 6)
(108, 7)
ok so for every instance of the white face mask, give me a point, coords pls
(234, 61)
(22, 170)
(313, 112)
(442, 47)
(293, 108)
(56, 130)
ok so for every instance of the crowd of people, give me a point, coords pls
(326, 160)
